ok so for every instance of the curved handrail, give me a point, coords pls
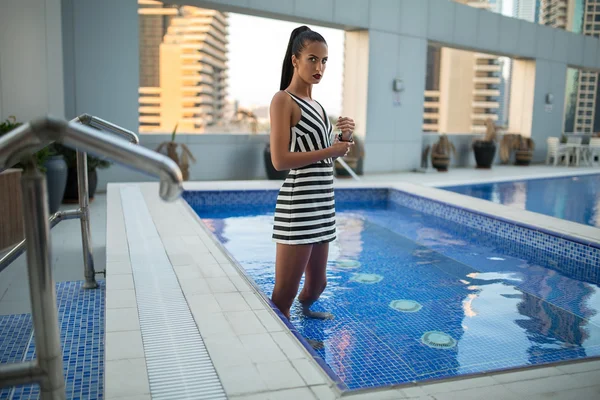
(99, 123)
(39, 133)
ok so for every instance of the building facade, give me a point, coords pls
(183, 67)
(529, 10)
(583, 17)
(467, 89)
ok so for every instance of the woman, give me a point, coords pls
(301, 142)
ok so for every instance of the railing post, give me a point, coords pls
(89, 271)
(41, 284)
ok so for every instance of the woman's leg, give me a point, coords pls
(290, 263)
(315, 280)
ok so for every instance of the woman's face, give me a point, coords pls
(310, 66)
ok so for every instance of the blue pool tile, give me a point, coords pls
(81, 317)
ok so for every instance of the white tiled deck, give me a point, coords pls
(253, 353)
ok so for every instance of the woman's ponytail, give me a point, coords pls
(287, 70)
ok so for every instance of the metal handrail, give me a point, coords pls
(83, 212)
(18, 145)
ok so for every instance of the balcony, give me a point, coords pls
(487, 68)
(486, 92)
(487, 80)
(485, 104)
(483, 117)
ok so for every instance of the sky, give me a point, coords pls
(256, 50)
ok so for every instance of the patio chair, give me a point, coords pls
(594, 150)
(556, 150)
(577, 149)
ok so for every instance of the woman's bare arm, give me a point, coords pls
(281, 116)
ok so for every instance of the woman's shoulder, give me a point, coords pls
(281, 99)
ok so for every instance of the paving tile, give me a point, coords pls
(289, 345)
(212, 324)
(587, 393)
(310, 372)
(221, 285)
(120, 299)
(579, 367)
(118, 268)
(124, 345)
(227, 351)
(203, 304)
(231, 302)
(194, 286)
(262, 348)
(245, 323)
(240, 283)
(526, 374)
(241, 379)
(126, 378)
(279, 375)
(497, 392)
(119, 282)
(122, 319)
(270, 321)
(184, 272)
(324, 392)
(542, 385)
(252, 299)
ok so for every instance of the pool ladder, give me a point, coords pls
(84, 134)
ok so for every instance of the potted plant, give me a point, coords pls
(71, 193)
(182, 159)
(485, 149)
(48, 161)
(354, 159)
(523, 147)
(440, 153)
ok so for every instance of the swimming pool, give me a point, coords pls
(420, 297)
(574, 198)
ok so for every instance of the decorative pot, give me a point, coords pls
(440, 162)
(523, 157)
(484, 153)
(71, 195)
(56, 181)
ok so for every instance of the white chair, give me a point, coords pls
(575, 147)
(556, 150)
(594, 150)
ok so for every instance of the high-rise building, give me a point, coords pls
(529, 10)
(579, 16)
(468, 91)
(183, 67)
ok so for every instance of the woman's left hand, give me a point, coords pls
(346, 125)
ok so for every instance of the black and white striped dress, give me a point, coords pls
(305, 210)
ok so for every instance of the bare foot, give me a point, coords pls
(316, 314)
(315, 344)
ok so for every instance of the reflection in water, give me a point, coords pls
(572, 198)
(503, 311)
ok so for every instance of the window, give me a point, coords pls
(589, 113)
(584, 79)
(579, 121)
(590, 96)
(590, 104)
(591, 87)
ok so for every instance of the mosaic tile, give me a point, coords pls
(472, 279)
(81, 316)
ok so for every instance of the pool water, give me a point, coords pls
(574, 198)
(417, 297)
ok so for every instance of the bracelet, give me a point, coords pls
(341, 138)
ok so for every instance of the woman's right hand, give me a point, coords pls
(340, 149)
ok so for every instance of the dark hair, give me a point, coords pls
(298, 39)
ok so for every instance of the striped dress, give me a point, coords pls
(305, 210)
